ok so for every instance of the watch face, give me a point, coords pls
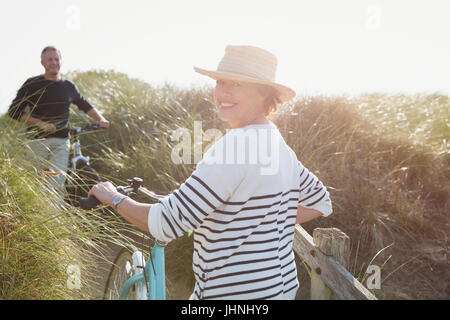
(117, 200)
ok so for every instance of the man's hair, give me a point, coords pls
(50, 48)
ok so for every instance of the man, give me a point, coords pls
(43, 104)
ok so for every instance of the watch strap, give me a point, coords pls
(118, 200)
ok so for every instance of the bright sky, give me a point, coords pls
(323, 47)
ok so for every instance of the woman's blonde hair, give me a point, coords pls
(271, 99)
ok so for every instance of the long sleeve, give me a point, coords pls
(80, 101)
(209, 187)
(313, 194)
(244, 217)
(20, 102)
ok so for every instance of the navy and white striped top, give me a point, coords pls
(242, 202)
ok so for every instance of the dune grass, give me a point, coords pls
(389, 190)
(384, 158)
(45, 243)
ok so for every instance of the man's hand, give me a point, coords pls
(31, 121)
(97, 116)
(103, 123)
(47, 127)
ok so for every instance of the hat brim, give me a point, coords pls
(284, 93)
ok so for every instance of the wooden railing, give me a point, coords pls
(327, 253)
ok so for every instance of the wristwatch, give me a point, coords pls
(118, 200)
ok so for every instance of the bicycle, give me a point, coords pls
(80, 175)
(131, 277)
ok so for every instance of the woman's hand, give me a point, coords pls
(105, 192)
(134, 212)
(307, 214)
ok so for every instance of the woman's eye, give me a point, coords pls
(236, 84)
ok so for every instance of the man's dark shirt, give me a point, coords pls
(48, 101)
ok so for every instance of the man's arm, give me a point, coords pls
(306, 214)
(31, 121)
(97, 116)
(84, 105)
(20, 102)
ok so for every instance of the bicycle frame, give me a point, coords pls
(75, 146)
(153, 274)
(77, 155)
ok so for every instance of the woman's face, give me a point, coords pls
(239, 103)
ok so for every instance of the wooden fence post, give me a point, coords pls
(331, 242)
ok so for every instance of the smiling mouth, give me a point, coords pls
(226, 105)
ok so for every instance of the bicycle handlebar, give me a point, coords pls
(73, 131)
(134, 186)
(89, 203)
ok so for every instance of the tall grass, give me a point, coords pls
(389, 190)
(43, 239)
(384, 159)
(417, 119)
(389, 185)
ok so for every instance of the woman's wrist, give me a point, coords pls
(112, 197)
(118, 200)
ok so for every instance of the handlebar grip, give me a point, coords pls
(92, 126)
(89, 203)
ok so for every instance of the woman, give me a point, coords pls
(244, 197)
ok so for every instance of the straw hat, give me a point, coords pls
(249, 64)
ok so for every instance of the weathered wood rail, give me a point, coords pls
(327, 253)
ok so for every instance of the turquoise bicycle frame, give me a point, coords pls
(155, 271)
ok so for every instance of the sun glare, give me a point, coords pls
(323, 47)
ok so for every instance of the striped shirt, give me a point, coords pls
(242, 202)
